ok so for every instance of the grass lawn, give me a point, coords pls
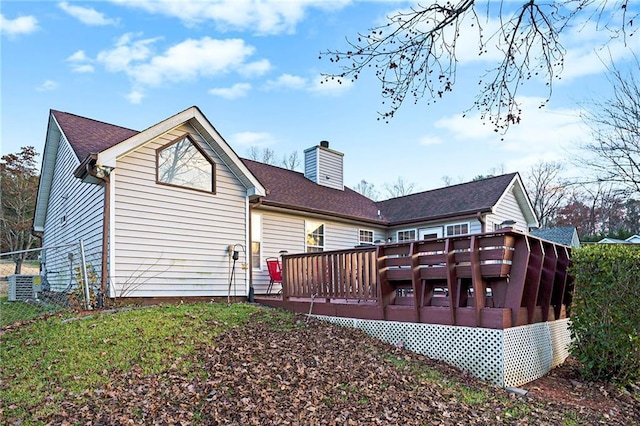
(43, 356)
(210, 363)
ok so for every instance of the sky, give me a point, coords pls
(254, 69)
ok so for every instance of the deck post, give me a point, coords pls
(452, 279)
(532, 280)
(479, 290)
(548, 276)
(515, 286)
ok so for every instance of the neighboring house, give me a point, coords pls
(567, 235)
(634, 239)
(166, 207)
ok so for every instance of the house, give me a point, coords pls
(173, 211)
(566, 235)
(634, 239)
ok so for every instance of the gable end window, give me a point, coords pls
(457, 229)
(182, 163)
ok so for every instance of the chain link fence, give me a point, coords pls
(52, 279)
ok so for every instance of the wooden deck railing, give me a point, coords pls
(493, 280)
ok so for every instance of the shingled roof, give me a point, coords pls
(466, 198)
(87, 136)
(290, 189)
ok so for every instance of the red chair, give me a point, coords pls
(275, 273)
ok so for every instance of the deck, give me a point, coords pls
(494, 280)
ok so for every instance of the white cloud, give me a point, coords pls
(17, 26)
(125, 52)
(262, 17)
(47, 86)
(258, 139)
(430, 140)
(80, 62)
(86, 15)
(238, 90)
(543, 134)
(287, 81)
(255, 68)
(135, 96)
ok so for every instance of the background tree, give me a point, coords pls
(291, 161)
(415, 53)
(19, 188)
(546, 189)
(615, 127)
(367, 189)
(268, 156)
(264, 155)
(399, 188)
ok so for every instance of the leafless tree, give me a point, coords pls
(547, 189)
(399, 188)
(614, 151)
(264, 155)
(367, 189)
(291, 161)
(415, 53)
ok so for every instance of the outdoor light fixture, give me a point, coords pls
(102, 171)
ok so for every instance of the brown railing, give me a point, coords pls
(494, 280)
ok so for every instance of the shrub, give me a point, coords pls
(605, 316)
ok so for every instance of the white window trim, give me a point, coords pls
(253, 216)
(415, 234)
(324, 234)
(373, 236)
(446, 233)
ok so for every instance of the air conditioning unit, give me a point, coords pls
(23, 287)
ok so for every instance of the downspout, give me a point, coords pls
(105, 231)
(483, 225)
(250, 262)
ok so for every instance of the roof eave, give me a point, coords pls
(440, 217)
(289, 207)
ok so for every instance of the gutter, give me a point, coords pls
(102, 174)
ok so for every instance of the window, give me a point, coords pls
(457, 229)
(315, 236)
(182, 163)
(365, 236)
(256, 241)
(406, 235)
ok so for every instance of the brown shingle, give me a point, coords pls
(87, 136)
(465, 198)
(290, 189)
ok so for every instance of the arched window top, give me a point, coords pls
(182, 163)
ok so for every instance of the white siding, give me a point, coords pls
(311, 164)
(330, 169)
(507, 209)
(287, 232)
(172, 241)
(82, 206)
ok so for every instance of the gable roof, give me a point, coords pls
(87, 136)
(561, 234)
(291, 190)
(465, 198)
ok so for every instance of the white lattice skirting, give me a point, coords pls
(509, 357)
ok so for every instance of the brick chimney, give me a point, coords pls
(324, 166)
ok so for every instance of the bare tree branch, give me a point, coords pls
(414, 53)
